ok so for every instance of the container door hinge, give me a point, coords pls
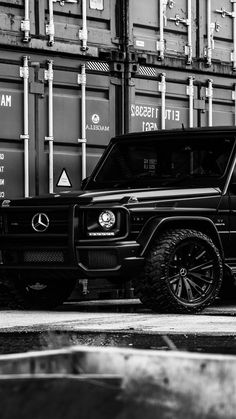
(25, 27)
(83, 36)
(82, 79)
(24, 72)
(48, 74)
(50, 32)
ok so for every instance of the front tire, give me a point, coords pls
(183, 273)
(35, 291)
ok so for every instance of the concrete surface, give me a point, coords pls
(72, 317)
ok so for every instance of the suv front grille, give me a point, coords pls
(43, 256)
(40, 257)
(20, 222)
(98, 259)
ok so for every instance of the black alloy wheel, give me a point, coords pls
(183, 273)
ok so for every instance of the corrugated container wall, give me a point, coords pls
(74, 73)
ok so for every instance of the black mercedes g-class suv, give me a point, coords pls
(159, 208)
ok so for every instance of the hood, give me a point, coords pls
(113, 196)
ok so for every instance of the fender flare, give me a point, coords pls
(155, 225)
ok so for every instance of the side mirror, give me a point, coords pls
(84, 182)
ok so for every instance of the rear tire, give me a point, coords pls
(183, 273)
(34, 291)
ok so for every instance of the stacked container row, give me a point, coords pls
(75, 73)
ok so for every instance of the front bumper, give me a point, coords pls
(64, 246)
(87, 260)
(121, 259)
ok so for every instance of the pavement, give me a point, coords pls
(120, 316)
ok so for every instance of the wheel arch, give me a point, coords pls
(156, 226)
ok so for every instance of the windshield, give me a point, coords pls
(165, 162)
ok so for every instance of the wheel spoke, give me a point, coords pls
(179, 288)
(200, 255)
(203, 278)
(173, 278)
(197, 287)
(203, 266)
(189, 290)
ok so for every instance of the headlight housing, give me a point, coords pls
(107, 219)
(102, 223)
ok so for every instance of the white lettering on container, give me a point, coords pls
(97, 128)
(1, 169)
(1, 181)
(172, 115)
(144, 111)
(149, 126)
(5, 101)
(2, 156)
(2, 194)
(151, 112)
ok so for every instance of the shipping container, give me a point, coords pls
(57, 115)
(49, 108)
(74, 73)
(217, 31)
(164, 28)
(90, 27)
(177, 99)
(184, 33)
(192, 33)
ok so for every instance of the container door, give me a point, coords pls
(161, 103)
(17, 150)
(163, 27)
(87, 24)
(17, 21)
(100, 124)
(216, 37)
(219, 103)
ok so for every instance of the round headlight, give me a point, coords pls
(107, 219)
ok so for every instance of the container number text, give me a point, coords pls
(144, 111)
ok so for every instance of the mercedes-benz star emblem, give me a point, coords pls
(40, 222)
